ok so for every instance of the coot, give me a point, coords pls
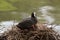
(28, 22)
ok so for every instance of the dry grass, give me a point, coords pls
(17, 34)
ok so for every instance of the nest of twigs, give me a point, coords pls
(18, 34)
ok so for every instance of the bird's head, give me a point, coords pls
(33, 14)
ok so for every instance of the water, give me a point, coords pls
(5, 26)
(55, 27)
(49, 20)
(46, 14)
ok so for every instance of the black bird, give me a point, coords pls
(28, 22)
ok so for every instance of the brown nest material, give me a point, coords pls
(17, 34)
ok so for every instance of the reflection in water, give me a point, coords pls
(46, 14)
(49, 19)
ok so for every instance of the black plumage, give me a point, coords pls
(28, 22)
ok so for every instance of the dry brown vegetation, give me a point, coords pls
(18, 34)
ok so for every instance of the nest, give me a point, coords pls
(18, 34)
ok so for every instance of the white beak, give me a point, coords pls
(34, 13)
